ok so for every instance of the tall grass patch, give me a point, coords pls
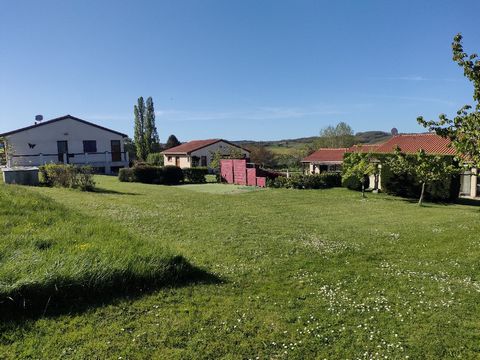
(49, 254)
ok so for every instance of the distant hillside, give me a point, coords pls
(288, 146)
(372, 137)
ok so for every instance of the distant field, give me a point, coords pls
(302, 274)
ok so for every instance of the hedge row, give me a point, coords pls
(195, 175)
(167, 175)
(298, 181)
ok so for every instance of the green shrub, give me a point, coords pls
(68, 176)
(84, 178)
(155, 159)
(126, 175)
(172, 175)
(352, 183)
(147, 174)
(195, 175)
(301, 181)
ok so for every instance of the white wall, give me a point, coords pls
(45, 138)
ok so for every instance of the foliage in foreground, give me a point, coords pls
(464, 129)
(67, 176)
(49, 254)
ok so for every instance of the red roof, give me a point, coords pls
(194, 145)
(329, 155)
(412, 143)
(364, 148)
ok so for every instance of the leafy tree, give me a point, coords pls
(464, 129)
(172, 142)
(235, 153)
(261, 155)
(337, 136)
(152, 142)
(360, 167)
(130, 148)
(216, 156)
(423, 167)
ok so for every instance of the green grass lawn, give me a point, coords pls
(305, 274)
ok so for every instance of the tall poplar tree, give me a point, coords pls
(151, 134)
(139, 131)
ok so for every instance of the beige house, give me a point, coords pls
(199, 152)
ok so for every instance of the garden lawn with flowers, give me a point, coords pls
(277, 273)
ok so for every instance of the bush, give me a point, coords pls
(155, 159)
(147, 174)
(84, 178)
(172, 175)
(68, 176)
(300, 181)
(126, 175)
(352, 183)
(195, 175)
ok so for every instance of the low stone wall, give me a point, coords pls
(21, 176)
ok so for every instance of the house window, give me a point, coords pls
(203, 161)
(89, 146)
(169, 158)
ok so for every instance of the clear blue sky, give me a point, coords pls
(244, 69)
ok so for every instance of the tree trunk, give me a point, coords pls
(363, 189)
(422, 194)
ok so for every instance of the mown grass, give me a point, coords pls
(308, 274)
(50, 254)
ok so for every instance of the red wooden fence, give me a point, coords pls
(237, 172)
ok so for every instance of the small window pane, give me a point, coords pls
(89, 146)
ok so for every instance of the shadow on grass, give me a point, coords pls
(468, 201)
(113, 192)
(34, 300)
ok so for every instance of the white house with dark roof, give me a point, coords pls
(199, 152)
(67, 140)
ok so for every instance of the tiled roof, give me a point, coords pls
(364, 148)
(190, 146)
(334, 155)
(194, 145)
(412, 143)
